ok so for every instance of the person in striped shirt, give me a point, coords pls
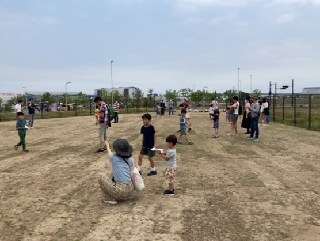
(116, 108)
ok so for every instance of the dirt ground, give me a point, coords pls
(228, 189)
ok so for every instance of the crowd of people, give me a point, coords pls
(118, 186)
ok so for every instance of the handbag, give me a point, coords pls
(136, 178)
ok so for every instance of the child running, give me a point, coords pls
(22, 127)
(171, 166)
(183, 127)
(149, 141)
(216, 123)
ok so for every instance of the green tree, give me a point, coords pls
(150, 97)
(229, 94)
(82, 99)
(64, 98)
(117, 95)
(138, 100)
(172, 95)
(185, 92)
(196, 96)
(256, 92)
(106, 96)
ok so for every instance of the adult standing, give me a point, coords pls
(18, 107)
(170, 107)
(264, 111)
(255, 110)
(163, 108)
(246, 121)
(234, 111)
(116, 108)
(104, 122)
(32, 112)
(215, 104)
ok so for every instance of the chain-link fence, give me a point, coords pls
(298, 110)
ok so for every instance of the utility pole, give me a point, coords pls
(292, 90)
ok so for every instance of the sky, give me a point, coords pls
(158, 44)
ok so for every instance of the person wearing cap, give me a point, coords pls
(255, 110)
(119, 187)
(32, 112)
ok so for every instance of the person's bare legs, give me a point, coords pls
(140, 160)
(171, 187)
(151, 161)
(235, 128)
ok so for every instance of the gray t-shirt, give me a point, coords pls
(120, 169)
(172, 162)
(255, 109)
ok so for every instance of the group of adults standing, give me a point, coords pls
(161, 108)
(256, 113)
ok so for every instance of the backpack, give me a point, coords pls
(240, 110)
(111, 113)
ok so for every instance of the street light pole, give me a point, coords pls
(25, 94)
(203, 97)
(66, 94)
(251, 85)
(111, 85)
(292, 90)
(238, 83)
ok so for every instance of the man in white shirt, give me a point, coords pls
(18, 107)
(234, 109)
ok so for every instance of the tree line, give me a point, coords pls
(140, 99)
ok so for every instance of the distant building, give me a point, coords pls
(37, 95)
(311, 90)
(130, 91)
(5, 97)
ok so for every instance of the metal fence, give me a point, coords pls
(298, 110)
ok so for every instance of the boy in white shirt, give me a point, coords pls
(171, 166)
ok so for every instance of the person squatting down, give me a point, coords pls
(149, 141)
(171, 163)
(118, 187)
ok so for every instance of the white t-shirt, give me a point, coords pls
(263, 106)
(18, 108)
(215, 104)
(236, 108)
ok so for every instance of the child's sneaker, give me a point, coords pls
(255, 139)
(110, 202)
(189, 129)
(152, 173)
(101, 150)
(16, 147)
(169, 193)
(190, 143)
(179, 142)
(25, 150)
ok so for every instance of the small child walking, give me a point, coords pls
(149, 141)
(183, 127)
(22, 127)
(215, 123)
(171, 165)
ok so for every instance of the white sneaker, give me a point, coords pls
(230, 134)
(110, 202)
(263, 125)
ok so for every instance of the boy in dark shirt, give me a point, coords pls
(22, 127)
(149, 142)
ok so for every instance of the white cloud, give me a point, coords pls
(286, 18)
(10, 19)
(303, 2)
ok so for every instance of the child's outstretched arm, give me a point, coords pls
(108, 148)
(163, 155)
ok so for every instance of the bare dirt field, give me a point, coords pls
(228, 189)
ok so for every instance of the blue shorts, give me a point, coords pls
(216, 125)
